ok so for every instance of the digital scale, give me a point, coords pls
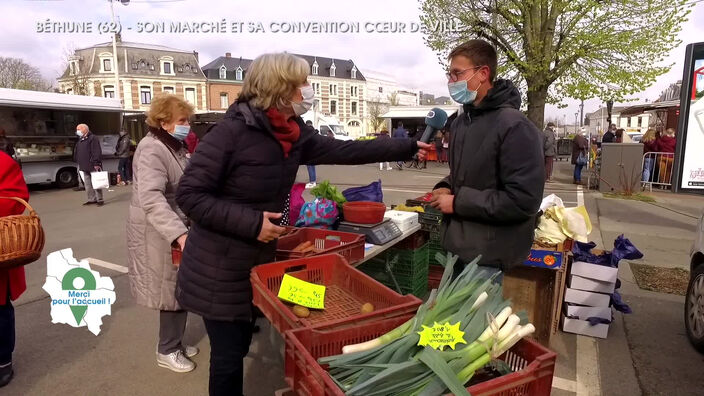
(377, 234)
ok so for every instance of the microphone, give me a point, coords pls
(436, 119)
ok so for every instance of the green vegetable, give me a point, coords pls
(328, 191)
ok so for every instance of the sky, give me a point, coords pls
(401, 54)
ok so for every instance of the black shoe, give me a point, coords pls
(6, 374)
(90, 203)
(79, 189)
(100, 203)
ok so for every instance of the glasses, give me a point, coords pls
(454, 76)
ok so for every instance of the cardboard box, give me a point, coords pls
(581, 283)
(583, 313)
(587, 298)
(549, 259)
(583, 327)
(594, 271)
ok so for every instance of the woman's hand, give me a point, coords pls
(423, 149)
(182, 241)
(270, 231)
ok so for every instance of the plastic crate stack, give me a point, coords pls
(409, 268)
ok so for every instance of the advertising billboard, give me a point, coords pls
(689, 175)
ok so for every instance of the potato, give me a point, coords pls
(367, 308)
(301, 312)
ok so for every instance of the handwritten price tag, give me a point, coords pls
(302, 293)
(441, 335)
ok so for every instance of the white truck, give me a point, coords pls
(42, 128)
(327, 125)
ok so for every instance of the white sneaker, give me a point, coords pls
(389, 168)
(190, 351)
(175, 361)
(311, 185)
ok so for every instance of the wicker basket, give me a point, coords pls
(21, 238)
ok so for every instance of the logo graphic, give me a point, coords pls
(79, 296)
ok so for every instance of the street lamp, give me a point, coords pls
(575, 122)
(115, 66)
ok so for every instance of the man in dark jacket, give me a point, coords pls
(610, 135)
(492, 196)
(122, 151)
(6, 144)
(549, 149)
(89, 158)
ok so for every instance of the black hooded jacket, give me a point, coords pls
(237, 172)
(496, 175)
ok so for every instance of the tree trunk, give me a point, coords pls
(536, 105)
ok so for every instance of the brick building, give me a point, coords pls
(225, 76)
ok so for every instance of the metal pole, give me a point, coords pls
(581, 111)
(115, 66)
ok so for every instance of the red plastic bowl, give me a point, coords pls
(364, 212)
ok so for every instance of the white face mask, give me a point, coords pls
(307, 103)
(79, 133)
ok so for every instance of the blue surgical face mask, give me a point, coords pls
(181, 131)
(460, 92)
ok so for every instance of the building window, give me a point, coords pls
(628, 123)
(354, 72)
(191, 95)
(72, 66)
(332, 70)
(168, 68)
(354, 91)
(107, 65)
(381, 89)
(333, 89)
(145, 94)
(109, 91)
(315, 68)
(169, 90)
(224, 102)
(238, 74)
(333, 107)
(640, 122)
(223, 72)
(353, 123)
(316, 88)
(354, 108)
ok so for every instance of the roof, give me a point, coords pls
(641, 108)
(416, 111)
(212, 69)
(51, 100)
(375, 75)
(143, 60)
(343, 68)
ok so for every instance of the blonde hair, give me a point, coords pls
(669, 132)
(649, 136)
(165, 107)
(271, 78)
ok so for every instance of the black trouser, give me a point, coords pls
(7, 332)
(229, 344)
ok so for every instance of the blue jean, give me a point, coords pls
(647, 168)
(7, 332)
(125, 169)
(311, 173)
(578, 172)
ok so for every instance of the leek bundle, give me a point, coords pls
(395, 364)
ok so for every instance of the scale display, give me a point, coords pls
(377, 234)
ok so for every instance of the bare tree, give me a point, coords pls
(16, 74)
(393, 99)
(376, 111)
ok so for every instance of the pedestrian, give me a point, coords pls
(580, 145)
(446, 146)
(312, 178)
(191, 142)
(155, 224)
(650, 149)
(493, 193)
(438, 145)
(89, 157)
(666, 146)
(400, 133)
(12, 281)
(610, 135)
(384, 135)
(619, 135)
(550, 149)
(233, 192)
(6, 144)
(122, 151)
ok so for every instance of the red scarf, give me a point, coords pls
(286, 131)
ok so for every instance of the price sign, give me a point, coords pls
(441, 335)
(302, 293)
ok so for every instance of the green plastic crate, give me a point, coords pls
(409, 268)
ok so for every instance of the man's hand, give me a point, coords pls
(270, 231)
(441, 191)
(423, 149)
(443, 202)
(97, 168)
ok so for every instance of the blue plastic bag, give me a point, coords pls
(371, 193)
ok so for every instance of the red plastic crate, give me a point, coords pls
(435, 276)
(347, 244)
(532, 363)
(347, 289)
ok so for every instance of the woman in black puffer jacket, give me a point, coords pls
(233, 192)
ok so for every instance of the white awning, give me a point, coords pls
(416, 111)
(58, 101)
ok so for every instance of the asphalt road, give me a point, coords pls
(59, 359)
